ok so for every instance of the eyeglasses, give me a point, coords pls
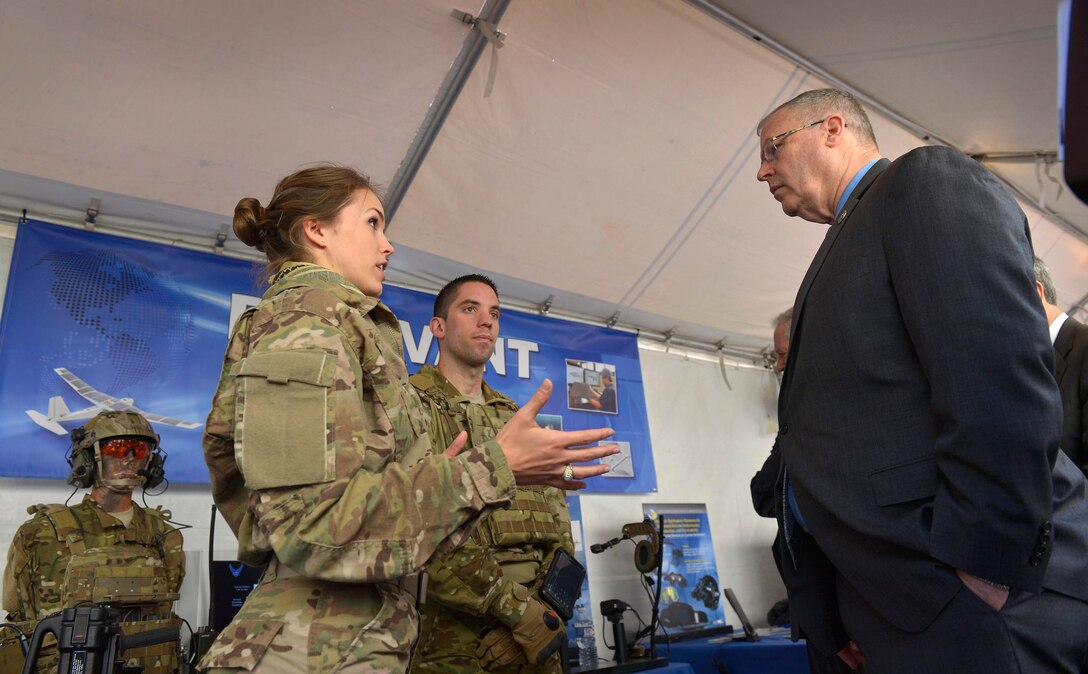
(119, 448)
(772, 144)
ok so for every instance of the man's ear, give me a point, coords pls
(314, 230)
(438, 327)
(836, 129)
(1042, 294)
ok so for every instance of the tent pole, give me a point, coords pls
(451, 87)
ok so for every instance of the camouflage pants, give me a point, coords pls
(293, 661)
(296, 624)
(286, 663)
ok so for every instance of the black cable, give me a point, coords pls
(604, 640)
(22, 637)
(160, 492)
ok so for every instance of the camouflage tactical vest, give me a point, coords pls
(123, 567)
(529, 521)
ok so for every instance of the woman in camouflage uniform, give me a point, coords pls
(318, 447)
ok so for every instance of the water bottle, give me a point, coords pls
(587, 646)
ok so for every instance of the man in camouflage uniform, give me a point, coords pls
(482, 610)
(104, 550)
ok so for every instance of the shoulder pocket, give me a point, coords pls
(282, 417)
(242, 644)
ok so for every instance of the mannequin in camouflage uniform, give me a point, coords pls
(318, 449)
(66, 556)
(482, 611)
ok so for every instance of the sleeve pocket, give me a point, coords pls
(906, 482)
(242, 644)
(282, 418)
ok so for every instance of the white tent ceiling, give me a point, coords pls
(605, 155)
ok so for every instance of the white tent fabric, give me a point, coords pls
(604, 156)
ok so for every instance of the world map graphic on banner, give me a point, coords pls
(93, 321)
(122, 311)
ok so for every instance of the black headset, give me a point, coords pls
(84, 467)
(81, 461)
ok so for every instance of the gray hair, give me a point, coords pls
(784, 317)
(1042, 275)
(826, 102)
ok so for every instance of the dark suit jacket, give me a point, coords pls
(1071, 371)
(919, 415)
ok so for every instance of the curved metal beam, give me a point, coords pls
(459, 72)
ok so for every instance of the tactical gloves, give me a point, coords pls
(534, 638)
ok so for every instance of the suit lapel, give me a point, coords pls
(821, 255)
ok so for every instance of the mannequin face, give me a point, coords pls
(122, 458)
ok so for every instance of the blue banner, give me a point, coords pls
(93, 321)
(690, 589)
(578, 358)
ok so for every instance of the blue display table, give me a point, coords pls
(674, 668)
(774, 654)
(670, 668)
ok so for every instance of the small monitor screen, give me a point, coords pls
(592, 378)
(231, 582)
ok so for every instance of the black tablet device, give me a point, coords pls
(563, 584)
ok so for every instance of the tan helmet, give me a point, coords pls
(116, 424)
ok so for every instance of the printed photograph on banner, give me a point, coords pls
(591, 386)
(621, 464)
(552, 421)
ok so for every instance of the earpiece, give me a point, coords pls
(646, 559)
(82, 463)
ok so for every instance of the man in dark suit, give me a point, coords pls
(927, 515)
(1070, 338)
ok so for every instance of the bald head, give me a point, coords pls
(822, 103)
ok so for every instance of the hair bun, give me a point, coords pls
(249, 217)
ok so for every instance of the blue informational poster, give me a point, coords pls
(691, 598)
(93, 321)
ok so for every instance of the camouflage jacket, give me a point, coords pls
(483, 584)
(321, 463)
(66, 556)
